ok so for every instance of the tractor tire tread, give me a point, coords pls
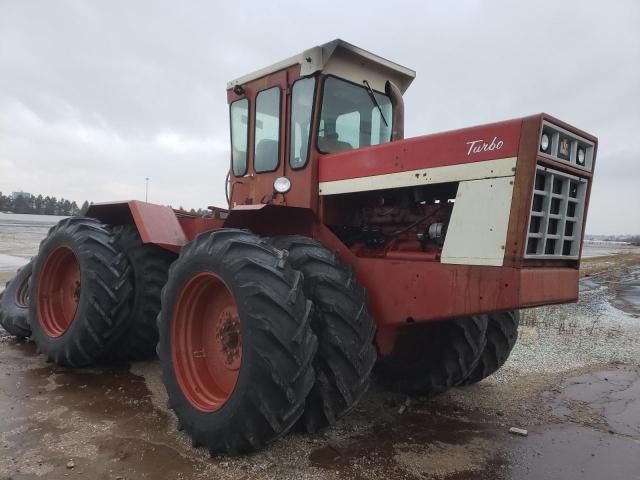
(428, 359)
(102, 315)
(270, 395)
(346, 353)
(502, 335)
(149, 269)
(14, 318)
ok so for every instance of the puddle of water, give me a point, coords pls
(573, 452)
(601, 440)
(607, 398)
(591, 284)
(628, 291)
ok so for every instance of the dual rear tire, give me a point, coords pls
(79, 293)
(95, 294)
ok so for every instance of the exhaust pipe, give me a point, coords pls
(397, 104)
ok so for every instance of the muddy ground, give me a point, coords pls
(573, 381)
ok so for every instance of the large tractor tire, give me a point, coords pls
(430, 358)
(14, 303)
(345, 330)
(79, 293)
(149, 269)
(236, 345)
(502, 334)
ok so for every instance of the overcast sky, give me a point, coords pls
(97, 95)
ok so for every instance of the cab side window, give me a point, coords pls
(239, 120)
(267, 136)
(302, 95)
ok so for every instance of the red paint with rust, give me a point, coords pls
(157, 224)
(193, 226)
(544, 286)
(163, 226)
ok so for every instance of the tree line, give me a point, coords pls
(41, 205)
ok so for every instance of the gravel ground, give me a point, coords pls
(561, 338)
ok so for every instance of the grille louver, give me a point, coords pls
(555, 222)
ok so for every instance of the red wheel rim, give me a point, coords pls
(58, 291)
(206, 342)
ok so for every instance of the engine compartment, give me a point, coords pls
(402, 223)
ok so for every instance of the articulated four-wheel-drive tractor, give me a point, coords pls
(345, 251)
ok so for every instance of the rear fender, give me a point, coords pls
(156, 224)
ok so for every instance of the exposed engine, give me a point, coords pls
(397, 222)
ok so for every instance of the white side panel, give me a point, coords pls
(501, 167)
(477, 230)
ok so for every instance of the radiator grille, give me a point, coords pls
(555, 223)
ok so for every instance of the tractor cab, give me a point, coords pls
(331, 98)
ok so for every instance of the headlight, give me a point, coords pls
(282, 185)
(581, 156)
(545, 143)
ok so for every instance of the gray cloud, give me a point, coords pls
(95, 96)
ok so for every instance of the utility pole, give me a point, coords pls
(146, 189)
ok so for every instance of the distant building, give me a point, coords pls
(16, 195)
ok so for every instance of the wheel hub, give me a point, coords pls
(228, 337)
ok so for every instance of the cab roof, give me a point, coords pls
(344, 60)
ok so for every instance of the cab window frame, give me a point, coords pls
(321, 103)
(311, 121)
(247, 136)
(255, 126)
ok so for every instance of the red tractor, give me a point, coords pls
(345, 249)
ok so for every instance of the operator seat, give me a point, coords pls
(266, 155)
(329, 143)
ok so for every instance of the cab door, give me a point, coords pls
(266, 140)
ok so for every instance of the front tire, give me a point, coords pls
(79, 293)
(345, 330)
(430, 358)
(14, 303)
(236, 344)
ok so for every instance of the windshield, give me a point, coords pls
(350, 118)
